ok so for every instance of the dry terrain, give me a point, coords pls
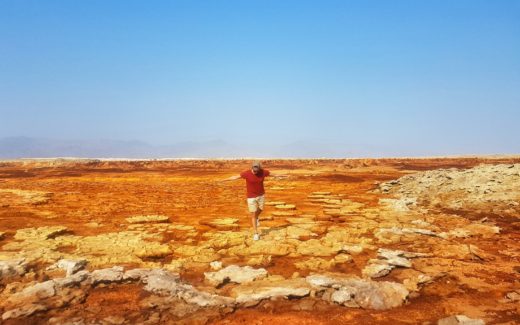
(357, 241)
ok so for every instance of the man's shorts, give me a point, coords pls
(255, 203)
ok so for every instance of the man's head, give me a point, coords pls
(256, 166)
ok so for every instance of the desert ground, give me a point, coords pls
(357, 241)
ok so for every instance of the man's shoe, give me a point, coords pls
(256, 237)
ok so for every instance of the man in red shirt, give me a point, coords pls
(255, 192)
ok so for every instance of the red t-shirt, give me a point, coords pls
(254, 183)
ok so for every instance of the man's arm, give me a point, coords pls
(232, 178)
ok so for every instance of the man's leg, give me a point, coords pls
(257, 215)
(260, 200)
(253, 220)
(252, 205)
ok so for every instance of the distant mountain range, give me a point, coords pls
(28, 147)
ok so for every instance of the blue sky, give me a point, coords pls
(400, 77)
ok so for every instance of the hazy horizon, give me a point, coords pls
(24, 147)
(348, 78)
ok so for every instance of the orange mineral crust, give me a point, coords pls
(359, 241)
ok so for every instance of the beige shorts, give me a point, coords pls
(255, 203)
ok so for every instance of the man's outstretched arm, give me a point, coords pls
(232, 178)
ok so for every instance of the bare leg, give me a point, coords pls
(253, 220)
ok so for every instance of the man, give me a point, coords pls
(255, 192)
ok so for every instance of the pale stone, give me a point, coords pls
(12, 268)
(343, 295)
(376, 269)
(70, 266)
(393, 235)
(165, 283)
(162, 282)
(34, 293)
(113, 274)
(395, 257)
(24, 311)
(73, 279)
(215, 265)
(321, 280)
(254, 292)
(136, 274)
(365, 293)
(352, 249)
(236, 274)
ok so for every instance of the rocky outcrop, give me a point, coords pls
(165, 283)
(476, 188)
(74, 288)
(44, 296)
(356, 292)
(12, 268)
(388, 260)
(254, 292)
